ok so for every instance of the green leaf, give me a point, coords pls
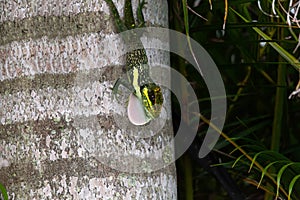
(280, 174)
(4, 192)
(292, 183)
(187, 31)
(237, 160)
(266, 169)
(254, 159)
(286, 55)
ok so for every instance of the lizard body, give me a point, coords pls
(137, 68)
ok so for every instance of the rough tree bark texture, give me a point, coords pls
(58, 137)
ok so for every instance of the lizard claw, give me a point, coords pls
(115, 88)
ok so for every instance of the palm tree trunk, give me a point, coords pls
(58, 135)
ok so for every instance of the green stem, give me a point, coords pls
(280, 100)
(179, 64)
(188, 178)
(280, 107)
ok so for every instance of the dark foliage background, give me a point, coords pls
(262, 123)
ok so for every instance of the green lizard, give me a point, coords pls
(137, 68)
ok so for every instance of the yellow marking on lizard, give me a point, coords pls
(135, 83)
(148, 104)
(145, 92)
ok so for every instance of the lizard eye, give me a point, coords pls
(151, 96)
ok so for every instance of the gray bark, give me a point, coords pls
(58, 134)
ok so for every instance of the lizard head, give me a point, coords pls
(152, 99)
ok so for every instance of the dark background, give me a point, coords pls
(261, 122)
